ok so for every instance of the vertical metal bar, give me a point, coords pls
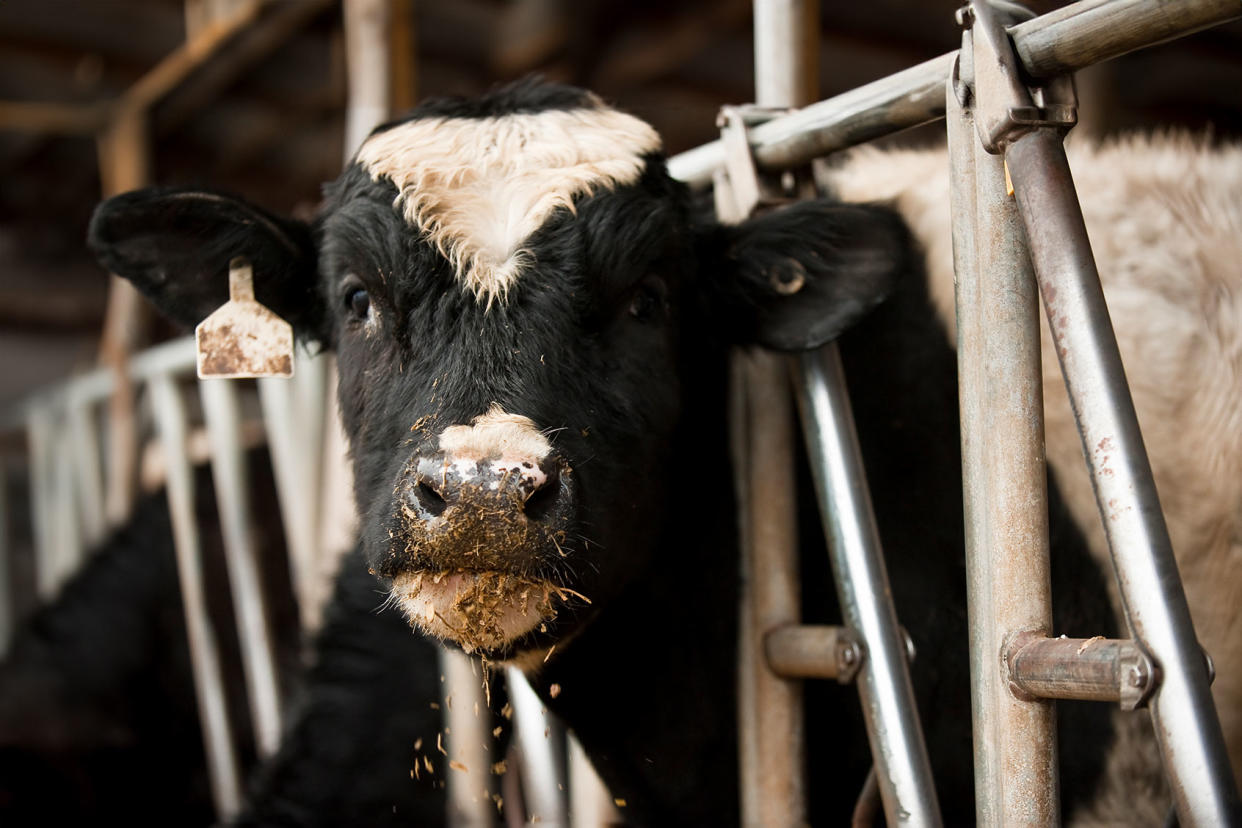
(771, 732)
(88, 471)
(222, 413)
(589, 800)
(67, 547)
(468, 727)
(39, 436)
(170, 422)
(542, 757)
(771, 736)
(902, 767)
(1186, 722)
(292, 419)
(1005, 493)
(6, 562)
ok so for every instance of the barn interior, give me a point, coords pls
(250, 96)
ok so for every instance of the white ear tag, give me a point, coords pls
(243, 338)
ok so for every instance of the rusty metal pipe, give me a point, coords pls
(813, 651)
(1005, 494)
(1088, 669)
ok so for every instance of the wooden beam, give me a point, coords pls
(56, 118)
(166, 75)
(267, 30)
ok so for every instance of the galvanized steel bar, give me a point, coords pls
(222, 414)
(541, 751)
(40, 431)
(169, 413)
(88, 470)
(293, 420)
(7, 614)
(1186, 722)
(1070, 38)
(902, 767)
(68, 547)
(590, 802)
(467, 720)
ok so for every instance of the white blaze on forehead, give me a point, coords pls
(479, 187)
(497, 434)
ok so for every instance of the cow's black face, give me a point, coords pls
(511, 445)
(516, 293)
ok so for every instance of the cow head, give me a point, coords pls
(517, 292)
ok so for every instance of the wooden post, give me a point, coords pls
(124, 164)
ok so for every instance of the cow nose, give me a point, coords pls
(506, 489)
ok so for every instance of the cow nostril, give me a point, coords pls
(429, 499)
(543, 500)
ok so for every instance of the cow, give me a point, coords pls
(1165, 222)
(532, 322)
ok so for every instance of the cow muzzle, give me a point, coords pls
(485, 534)
(509, 492)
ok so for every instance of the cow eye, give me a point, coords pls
(358, 302)
(647, 300)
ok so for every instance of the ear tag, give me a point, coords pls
(243, 338)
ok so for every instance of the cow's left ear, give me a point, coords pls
(797, 277)
(175, 246)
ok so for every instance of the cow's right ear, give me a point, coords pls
(175, 246)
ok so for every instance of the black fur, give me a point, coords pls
(348, 754)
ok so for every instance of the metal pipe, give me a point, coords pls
(293, 421)
(1089, 669)
(168, 409)
(1186, 723)
(1005, 499)
(468, 730)
(1079, 35)
(67, 548)
(88, 471)
(7, 613)
(902, 767)
(820, 652)
(771, 736)
(590, 803)
(542, 756)
(771, 731)
(175, 356)
(39, 438)
(222, 414)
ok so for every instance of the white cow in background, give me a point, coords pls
(1164, 214)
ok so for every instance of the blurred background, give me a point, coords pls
(250, 98)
